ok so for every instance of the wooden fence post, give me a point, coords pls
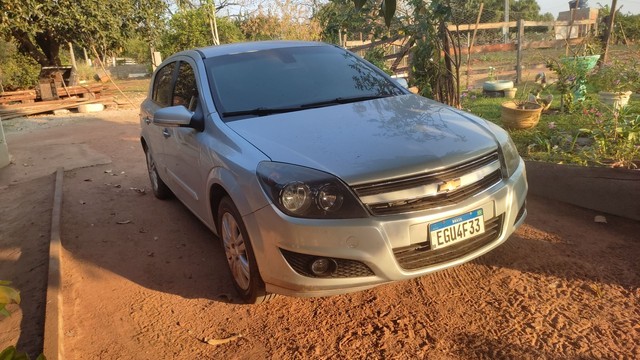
(519, 53)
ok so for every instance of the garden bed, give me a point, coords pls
(612, 191)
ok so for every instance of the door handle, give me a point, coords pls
(147, 120)
(165, 133)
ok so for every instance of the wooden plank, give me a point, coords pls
(485, 26)
(21, 98)
(18, 92)
(558, 23)
(525, 46)
(33, 111)
(500, 25)
(375, 43)
(40, 104)
(519, 51)
(79, 89)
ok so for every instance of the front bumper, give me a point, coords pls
(371, 241)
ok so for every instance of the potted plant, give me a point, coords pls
(521, 113)
(572, 72)
(615, 81)
(540, 93)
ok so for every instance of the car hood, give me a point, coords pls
(370, 140)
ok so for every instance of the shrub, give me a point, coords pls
(16, 70)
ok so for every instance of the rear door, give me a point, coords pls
(160, 97)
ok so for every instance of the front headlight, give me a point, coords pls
(307, 193)
(511, 156)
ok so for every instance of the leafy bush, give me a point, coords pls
(617, 76)
(16, 70)
(376, 57)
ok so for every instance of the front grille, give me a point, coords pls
(430, 201)
(345, 269)
(420, 255)
(422, 179)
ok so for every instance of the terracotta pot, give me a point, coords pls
(523, 118)
(617, 100)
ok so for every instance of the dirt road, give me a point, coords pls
(142, 278)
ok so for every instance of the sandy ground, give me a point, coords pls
(143, 279)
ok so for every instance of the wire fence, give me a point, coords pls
(514, 50)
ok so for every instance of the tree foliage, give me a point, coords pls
(286, 20)
(338, 17)
(189, 28)
(17, 71)
(40, 28)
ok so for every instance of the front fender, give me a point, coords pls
(242, 187)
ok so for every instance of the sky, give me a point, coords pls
(555, 6)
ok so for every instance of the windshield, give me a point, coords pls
(293, 78)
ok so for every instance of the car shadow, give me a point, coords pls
(157, 244)
(111, 222)
(565, 241)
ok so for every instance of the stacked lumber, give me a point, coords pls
(22, 96)
(13, 111)
(29, 96)
(68, 91)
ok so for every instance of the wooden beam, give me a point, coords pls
(485, 26)
(500, 25)
(375, 43)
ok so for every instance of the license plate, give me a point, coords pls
(453, 230)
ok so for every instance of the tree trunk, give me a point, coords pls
(50, 47)
(28, 48)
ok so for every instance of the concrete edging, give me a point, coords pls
(611, 191)
(53, 345)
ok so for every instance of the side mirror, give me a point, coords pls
(173, 116)
(402, 82)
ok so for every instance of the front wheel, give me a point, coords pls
(239, 253)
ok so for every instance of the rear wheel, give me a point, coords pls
(239, 253)
(160, 189)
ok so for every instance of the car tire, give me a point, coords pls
(160, 189)
(239, 253)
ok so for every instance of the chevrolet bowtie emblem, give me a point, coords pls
(448, 186)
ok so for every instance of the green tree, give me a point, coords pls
(41, 28)
(338, 17)
(189, 28)
(285, 20)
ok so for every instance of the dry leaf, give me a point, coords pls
(216, 342)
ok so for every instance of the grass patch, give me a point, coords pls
(609, 139)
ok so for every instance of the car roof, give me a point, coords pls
(235, 48)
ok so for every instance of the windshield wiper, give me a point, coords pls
(342, 100)
(261, 111)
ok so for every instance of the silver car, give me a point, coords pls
(322, 175)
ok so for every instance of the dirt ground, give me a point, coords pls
(143, 279)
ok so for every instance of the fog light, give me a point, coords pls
(323, 267)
